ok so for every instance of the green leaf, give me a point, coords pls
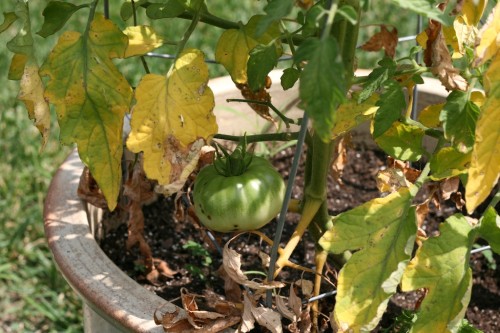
(428, 9)
(275, 10)
(322, 85)
(9, 18)
(350, 114)
(449, 162)
(262, 60)
(289, 77)
(441, 265)
(56, 14)
(91, 98)
(403, 142)
(377, 77)
(311, 23)
(171, 8)
(489, 229)
(127, 11)
(349, 13)
(459, 117)
(391, 103)
(384, 231)
(23, 41)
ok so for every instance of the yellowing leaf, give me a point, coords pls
(402, 141)
(485, 163)
(31, 93)
(449, 162)
(441, 266)
(429, 116)
(473, 11)
(351, 113)
(141, 40)
(173, 119)
(17, 65)
(384, 231)
(489, 37)
(234, 45)
(91, 98)
(465, 36)
(422, 39)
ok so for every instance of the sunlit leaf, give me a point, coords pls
(55, 15)
(441, 266)
(141, 40)
(322, 85)
(234, 46)
(488, 45)
(428, 9)
(403, 142)
(449, 162)
(472, 11)
(489, 229)
(173, 120)
(391, 103)
(351, 113)
(485, 163)
(91, 98)
(465, 35)
(384, 231)
(429, 116)
(9, 18)
(31, 93)
(459, 117)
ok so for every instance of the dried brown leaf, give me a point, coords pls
(458, 200)
(294, 301)
(390, 180)
(231, 261)
(232, 289)
(340, 158)
(261, 95)
(422, 211)
(283, 309)
(384, 39)
(306, 286)
(89, 191)
(448, 186)
(268, 318)
(247, 319)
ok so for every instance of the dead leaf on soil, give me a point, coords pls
(265, 317)
(231, 261)
(384, 39)
(232, 289)
(306, 286)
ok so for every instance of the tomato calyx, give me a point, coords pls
(235, 163)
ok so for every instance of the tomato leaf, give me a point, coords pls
(377, 77)
(428, 9)
(488, 45)
(127, 11)
(262, 60)
(141, 40)
(91, 98)
(391, 103)
(322, 85)
(275, 10)
(349, 13)
(402, 141)
(172, 120)
(234, 46)
(429, 116)
(382, 231)
(289, 78)
(473, 10)
(441, 266)
(489, 228)
(449, 162)
(56, 14)
(385, 39)
(351, 113)
(168, 9)
(9, 18)
(485, 163)
(459, 117)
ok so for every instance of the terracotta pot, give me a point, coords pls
(113, 302)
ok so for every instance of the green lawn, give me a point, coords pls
(33, 295)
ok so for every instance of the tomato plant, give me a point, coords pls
(172, 120)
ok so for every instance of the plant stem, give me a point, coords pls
(143, 59)
(260, 137)
(194, 21)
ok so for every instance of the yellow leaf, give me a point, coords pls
(382, 232)
(460, 36)
(91, 98)
(441, 266)
(141, 40)
(234, 46)
(31, 93)
(17, 65)
(422, 39)
(473, 11)
(173, 119)
(429, 116)
(489, 37)
(351, 114)
(485, 163)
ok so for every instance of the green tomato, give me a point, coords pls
(238, 203)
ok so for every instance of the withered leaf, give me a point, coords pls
(384, 39)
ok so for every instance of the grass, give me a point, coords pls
(33, 295)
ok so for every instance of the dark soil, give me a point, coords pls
(168, 238)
